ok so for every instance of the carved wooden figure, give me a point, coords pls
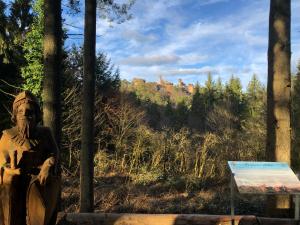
(29, 181)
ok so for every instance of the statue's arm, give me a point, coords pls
(52, 158)
(4, 150)
(6, 172)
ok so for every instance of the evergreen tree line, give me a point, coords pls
(197, 111)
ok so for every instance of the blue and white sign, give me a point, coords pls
(264, 177)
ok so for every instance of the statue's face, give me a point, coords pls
(26, 119)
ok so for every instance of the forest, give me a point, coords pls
(156, 147)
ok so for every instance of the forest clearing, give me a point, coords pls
(146, 109)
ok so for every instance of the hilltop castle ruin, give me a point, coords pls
(168, 86)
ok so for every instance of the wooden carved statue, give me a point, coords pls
(29, 181)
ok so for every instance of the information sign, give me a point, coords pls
(264, 178)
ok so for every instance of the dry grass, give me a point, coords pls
(121, 194)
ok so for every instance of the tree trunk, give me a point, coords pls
(52, 67)
(279, 91)
(87, 132)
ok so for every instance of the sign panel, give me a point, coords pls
(264, 177)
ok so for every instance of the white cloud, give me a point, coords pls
(192, 58)
(165, 38)
(204, 40)
(150, 60)
(138, 37)
(255, 40)
(210, 2)
(192, 71)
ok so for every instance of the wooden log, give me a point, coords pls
(277, 221)
(152, 219)
(166, 219)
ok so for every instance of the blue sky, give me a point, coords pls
(189, 38)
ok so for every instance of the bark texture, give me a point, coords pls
(87, 132)
(279, 92)
(52, 67)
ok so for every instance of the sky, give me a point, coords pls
(188, 39)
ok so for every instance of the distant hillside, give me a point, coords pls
(161, 92)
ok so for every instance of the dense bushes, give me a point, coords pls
(160, 169)
(127, 143)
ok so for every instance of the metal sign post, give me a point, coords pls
(232, 198)
(297, 198)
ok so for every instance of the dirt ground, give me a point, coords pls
(115, 193)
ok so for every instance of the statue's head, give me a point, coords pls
(26, 113)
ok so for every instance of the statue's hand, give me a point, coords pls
(11, 171)
(45, 170)
(43, 176)
(8, 174)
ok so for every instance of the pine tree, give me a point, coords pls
(180, 116)
(234, 97)
(197, 114)
(107, 77)
(14, 22)
(255, 97)
(20, 18)
(13, 29)
(209, 92)
(219, 90)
